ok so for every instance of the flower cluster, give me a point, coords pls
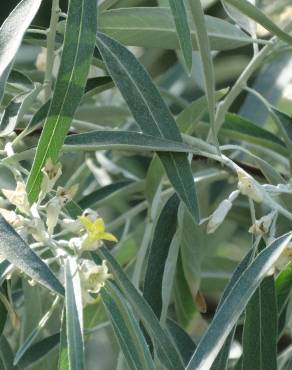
(46, 227)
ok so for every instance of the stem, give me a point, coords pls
(51, 35)
(240, 84)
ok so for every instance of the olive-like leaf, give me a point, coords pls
(71, 80)
(16, 251)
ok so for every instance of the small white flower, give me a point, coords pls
(248, 186)
(54, 206)
(36, 228)
(262, 226)
(219, 215)
(12, 217)
(93, 277)
(18, 197)
(73, 226)
(51, 174)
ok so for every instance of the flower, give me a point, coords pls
(18, 197)
(93, 277)
(95, 233)
(51, 174)
(248, 186)
(262, 226)
(55, 205)
(219, 215)
(12, 217)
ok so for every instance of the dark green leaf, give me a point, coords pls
(151, 114)
(17, 252)
(260, 329)
(159, 248)
(39, 350)
(171, 358)
(234, 304)
(126, 327)
(183, 30)
(183, 341)
(63, 362)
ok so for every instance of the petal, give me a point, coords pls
(108, 236)
(87, 223)
(98, 225)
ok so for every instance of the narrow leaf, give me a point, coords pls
(258, 16)
(13, 29)
(39, 350)
(16, 109)
(159, 248)
(17, 252)
(183, 30)
(71, 80)
(63, 361)
(234, 304)
(127, 329)
(154, 27)
(74, 316)
(206, 59)
(260, 329)
(171, 357)
(151, 113)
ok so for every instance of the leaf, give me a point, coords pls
(234, 304)
(258, 16)
(75, 62)
(36, 120)
(183, 341)
(39, 350)
(151, 114)
(97, 85)
(169, 274)
(283, 290)
(192, 244)
(163, 233)
(221, 360)
(286, 122)
(63, 362)
(13, 29)
(34, 333)
(127, 330)
(244, 22)
(206, 61)
(6, 355)
(171, 358)
(3, 79)
(16, 109)
(154, 27)
(180, 17)
(194, 111)
(260, 329)
(106, 192)
(121, 140)
(74, 315)
(16, 251)
(238, 128)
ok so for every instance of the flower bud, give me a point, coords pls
(51, 174)
(248, 186)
